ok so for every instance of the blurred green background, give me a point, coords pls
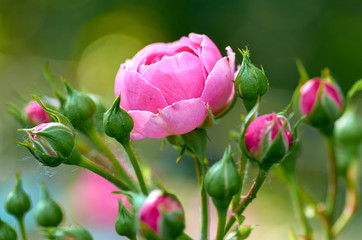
(85, 41)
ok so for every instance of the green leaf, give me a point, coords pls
(196, 141)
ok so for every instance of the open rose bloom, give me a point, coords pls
(166, 87)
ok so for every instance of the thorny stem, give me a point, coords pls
(98, 141)
(262, 174)
(136, 167)
(200, 172)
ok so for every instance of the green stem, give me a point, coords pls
(81, 161)
(221, 216)
(98, 141)
(200, 171)
(352, 199)
(249, 197)
(298, 207)
(330, 203)
(22, 227)
(136, 167)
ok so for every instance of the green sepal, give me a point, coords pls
(18, 202)
(47, 212)
(196, 142)
(172, 225)
(71, 233)
(56, 116)
(13, 110)
(7, 232)
(51, 78)
(240, 233)
(302, 72)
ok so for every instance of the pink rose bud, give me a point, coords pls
(161, 216)
(166, 87)
(321, 101)
(35, 114)
(50, 143)
(268, 138)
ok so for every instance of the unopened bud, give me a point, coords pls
(268, 138)
(125, 222)
(17, 202)
(321, 101)
(79, 108)
(241, 233)
(250, 82)
(222, 181)
(72, 233)
(47, 212)
(161, 216)
(35, 114)
(118, 123)
(50, 143)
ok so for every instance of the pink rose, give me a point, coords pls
(166, 86)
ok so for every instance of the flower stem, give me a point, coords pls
(82, 161)
(351, 203)
(200, 172)
(249, 197)
(98, 141)
(136, 167)
(22, 227)
(221, 216)
(332, 179)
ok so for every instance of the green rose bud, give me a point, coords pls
(125, 222)
(348, 129)
(17, 202)
(100, 110)
(7, 232)
(118, 123)
(250, 82)
(72, 233)
(79, 108)
(50, 143)
(47, 212)
(222, 181)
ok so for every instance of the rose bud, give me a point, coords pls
(242, 232)
(117, 123)
(161, 216)
(79, 108)
(50, 143)
(7, 232)
(222, 181)
(167, 87)
(17, 202)
(125, 222)
(267, 139)
(47, 212)
(35, 114)
(250, 82)
(100, 110)
(348, 129)
(72, 233)
(321, 101)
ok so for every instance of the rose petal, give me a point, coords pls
(308, 95)
(210, 54)
(136, 93)
(219, 86)
(178, 118)
(178, 77)
(334, 93)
